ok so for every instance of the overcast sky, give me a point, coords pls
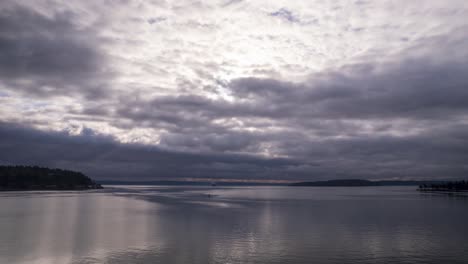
(284, 90)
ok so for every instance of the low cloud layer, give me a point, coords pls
(105, 158)
(140, 91)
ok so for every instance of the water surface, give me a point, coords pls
(148, 224)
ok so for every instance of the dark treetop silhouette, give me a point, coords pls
(36, 178)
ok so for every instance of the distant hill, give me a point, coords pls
(14, 178)
(331, 183)
(358, 182)
(194, 183)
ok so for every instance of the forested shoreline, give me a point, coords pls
(14, 178)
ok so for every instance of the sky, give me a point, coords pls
(233, 89)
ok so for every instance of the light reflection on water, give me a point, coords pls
(233, 225)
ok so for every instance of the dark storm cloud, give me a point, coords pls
(427, 81)
(412, 89)
(103, 157)
(46, 56)
(188, 122)
(440, 153)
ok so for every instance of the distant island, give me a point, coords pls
(19, 178)
(358, 182)
(460, 186)
(336, 183)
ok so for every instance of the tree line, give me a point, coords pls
(34, 177)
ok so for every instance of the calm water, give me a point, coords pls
(233, 225)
